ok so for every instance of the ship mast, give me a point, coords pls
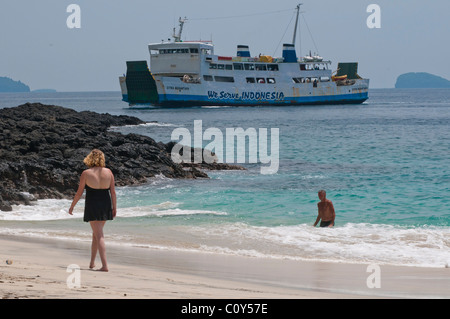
(296, 23)
(176, 37)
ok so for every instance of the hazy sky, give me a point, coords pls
(38, 48)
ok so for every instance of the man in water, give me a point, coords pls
(326, 211)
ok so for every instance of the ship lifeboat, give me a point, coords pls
(265, 58)
(339, 78)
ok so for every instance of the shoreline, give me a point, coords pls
(39, 271)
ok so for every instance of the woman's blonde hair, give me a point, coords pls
(96, 158)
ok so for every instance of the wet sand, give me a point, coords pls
(39, 270)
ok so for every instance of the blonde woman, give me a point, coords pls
(100, 203)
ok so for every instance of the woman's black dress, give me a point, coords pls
(98, 204)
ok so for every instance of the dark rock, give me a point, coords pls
(4, 206)
(42, 148)
(211, 164)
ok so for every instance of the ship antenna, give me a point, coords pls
(296, 23)
(176, 37)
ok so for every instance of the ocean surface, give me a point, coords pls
(385, 165)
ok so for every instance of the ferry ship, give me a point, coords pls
(184, 73)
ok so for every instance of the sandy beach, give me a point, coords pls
(39, 270)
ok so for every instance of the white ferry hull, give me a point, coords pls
(172, 93)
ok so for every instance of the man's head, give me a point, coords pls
(322, 194)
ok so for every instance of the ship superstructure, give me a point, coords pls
(184, 73)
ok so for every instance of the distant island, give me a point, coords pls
(421, 80)
(9, 85)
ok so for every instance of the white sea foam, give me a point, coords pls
(41, 210)
(57, 209)
(164, 209)
(424, 246)
(352, 243)
(147, 124)
(66, 234)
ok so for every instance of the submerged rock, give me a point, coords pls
(42, 148)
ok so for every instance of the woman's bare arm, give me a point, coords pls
(112, 189)
(79, 192)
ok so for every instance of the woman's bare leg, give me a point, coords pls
(94, 249)
(97, 229)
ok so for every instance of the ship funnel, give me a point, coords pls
(243, 51)
(289, 54)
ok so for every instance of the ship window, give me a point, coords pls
(272, 67)
(297, 80)
(224, 79)
(194, 50)
(270, 80)
(249, 66)
(260, 80)
(213, 66)
(261, 67)
(220, 66)
(238, 66)
(228, 67)
(208, 77)
(250, 80)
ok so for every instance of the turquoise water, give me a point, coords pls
(385, 164)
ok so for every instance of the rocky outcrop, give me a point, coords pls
(42, 148)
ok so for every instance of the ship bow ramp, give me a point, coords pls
(141, 86)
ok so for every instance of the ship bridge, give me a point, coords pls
(178, 58)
